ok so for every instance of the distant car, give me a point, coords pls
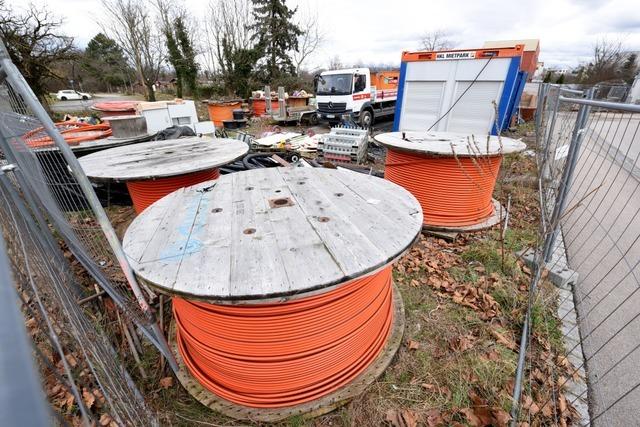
(64, 95)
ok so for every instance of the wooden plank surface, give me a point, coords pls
(448, 143)
(271, 234)
(159, 159)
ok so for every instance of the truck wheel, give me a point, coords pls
(313, 119)
(63, 98)
(85, 97)
(366, 118)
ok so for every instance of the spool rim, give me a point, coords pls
(311, 285)
(489, 222)
(98, 171)
(311, 409)
(438, 144)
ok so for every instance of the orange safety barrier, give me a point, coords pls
(452, 191)
(280, 355)
(72, 132)
(143, 193)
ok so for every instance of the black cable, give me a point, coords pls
(475, 79)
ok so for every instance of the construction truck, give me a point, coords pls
(355, 94)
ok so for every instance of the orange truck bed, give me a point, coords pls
(385, 79)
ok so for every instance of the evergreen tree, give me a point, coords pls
(275, 35)
(547, 78)
(239, 66)
(629, 68)
(175, 59)
(560, 79)
(189, 65)
(104, 60)
(181, 54)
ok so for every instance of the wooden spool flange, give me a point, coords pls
(161, 159)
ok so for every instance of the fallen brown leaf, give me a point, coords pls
(166, 382)
(413, 345)
(507, 342)
(434, 418)
(88, 397)
(402, 418)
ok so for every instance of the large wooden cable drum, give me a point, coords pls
(452, 175)
(281, 277)
(154, 169)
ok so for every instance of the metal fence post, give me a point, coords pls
(548, 132)
(16, 80)
(567, 176)
(22, 401)
(543, 89)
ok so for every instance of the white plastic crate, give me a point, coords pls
(345, 145)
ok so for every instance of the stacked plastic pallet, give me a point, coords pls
(343, 145)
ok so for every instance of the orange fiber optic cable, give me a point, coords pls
(275, 355)
(453, 191)
(144, 192)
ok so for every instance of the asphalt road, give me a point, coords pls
(602, 236)
(76, 106)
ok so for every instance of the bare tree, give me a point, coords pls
(335, 63)
(436, 40)
(227, 31)
(132, 26)
(310, 39)
(608, 57)
(35, 44)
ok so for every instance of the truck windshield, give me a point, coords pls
(335, 84)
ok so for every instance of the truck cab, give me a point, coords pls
(355, 94)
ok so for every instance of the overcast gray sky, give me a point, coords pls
(377, 31)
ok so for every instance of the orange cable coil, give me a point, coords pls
(145, 192)
(452, 191)
(280, 355)
(72, 132)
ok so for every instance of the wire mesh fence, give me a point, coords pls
(58, 193)
(51, 219)
(79, 365)
(589, 179)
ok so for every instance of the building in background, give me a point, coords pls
(634, 93)
(529, 61)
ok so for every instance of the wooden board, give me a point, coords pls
(271, 234)
(160, 159)
(448, 143)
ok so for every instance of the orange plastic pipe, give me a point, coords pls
(72, 132)
(452, 191)
(144, 193)
(280, 355)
